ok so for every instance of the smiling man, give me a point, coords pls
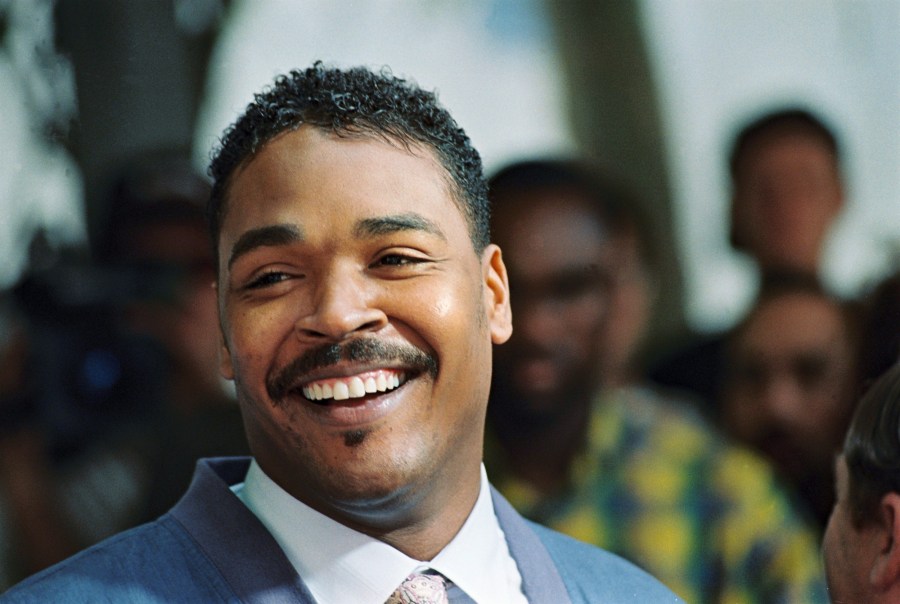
(359, 300)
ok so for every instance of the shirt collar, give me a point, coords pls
(339, 564)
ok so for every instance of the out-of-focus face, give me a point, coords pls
(188, 324)
(631, 297)
(788, 387)
(556, 254)
(787, 194)
(358, 322)
(848, 551)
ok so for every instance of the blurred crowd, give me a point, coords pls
(110, 389)
(709, 463)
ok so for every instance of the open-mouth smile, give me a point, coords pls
(354, 386)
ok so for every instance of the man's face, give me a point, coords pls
(787, 193)
(848, 550)
(631, 297)
(789, 381)
(556, 255)
(357, 323)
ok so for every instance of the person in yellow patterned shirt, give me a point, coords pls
(619, 466)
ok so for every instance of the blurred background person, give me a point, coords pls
(158, 231)
(118, 393)
(634, 287)
(879, 340)
(862, 541)
(620, 467)
(788, 190)
(787, 193)
(791, 382)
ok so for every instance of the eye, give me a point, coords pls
(396, 260)
(266, 279)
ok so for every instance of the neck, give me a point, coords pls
(419, 519)
(431, 532)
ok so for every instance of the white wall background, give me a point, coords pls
(40, 184)
(493, 64)
(721, 62)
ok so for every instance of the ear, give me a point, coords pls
(886, 570)
(226, 369)
(496, 294)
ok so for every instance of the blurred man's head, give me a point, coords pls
(158, 230)
(633, 289)
(790, 377)
(862, 541)
(880, 331)
(550, 220)
(786, 190)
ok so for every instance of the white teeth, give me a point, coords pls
(341, 391)
(356, 388)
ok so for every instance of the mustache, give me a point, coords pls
(283, 380)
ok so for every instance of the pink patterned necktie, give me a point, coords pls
(421, 588)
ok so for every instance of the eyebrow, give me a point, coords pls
(278, 234)
(383, 225)
(284, 234)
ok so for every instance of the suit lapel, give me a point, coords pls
(226, 531)
(540, 579)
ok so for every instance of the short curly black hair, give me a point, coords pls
(355, 102)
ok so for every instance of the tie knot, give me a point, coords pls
(428, 587)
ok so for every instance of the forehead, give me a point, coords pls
(784, 150)
(543, 231)
(319, 178)
(793, 324)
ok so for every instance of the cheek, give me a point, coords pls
(842, 561)
(589, 310)
(583, 321)
(448, 311)
(256, 336)
(743, 413)
(442, 308)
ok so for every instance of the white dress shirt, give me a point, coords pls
(342, 566)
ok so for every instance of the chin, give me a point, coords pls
(372, 473)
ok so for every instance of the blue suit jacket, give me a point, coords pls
(211, 548)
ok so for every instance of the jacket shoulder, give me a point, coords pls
(155, 562)
(595, 575)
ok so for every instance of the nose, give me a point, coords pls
(782, 400)
(343, 305)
